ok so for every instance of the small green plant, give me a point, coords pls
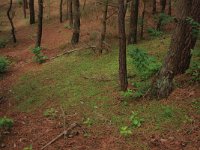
(39, 57)
(67, 26)
(125, 131)
(20, 2)
(28, 148)
(136, 121)
(50, 113)
(196, 105)
(3, 64)
(163, 18)
(195, 26)
(194, 71)
(6, 123)
(154, 33)
(167, 112)
(88, 122)
(127, 93)
(2, 43)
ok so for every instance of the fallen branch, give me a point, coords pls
(64, 133)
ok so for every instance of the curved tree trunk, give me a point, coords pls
(76, 32)
(11, 22)
(179, 54)
(32, 11)
(40, 18)
(122, 47)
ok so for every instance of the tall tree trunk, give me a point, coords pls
(104, 20)
(142, 23)
(122, 47)
(71, 13)
(24, 8)
(154, 7)
(26, 4)
(32, 11)
(170, 8)
(132, 38)
(163, 5)
(11, 22)
(61, 4)
(40, 19)
(179, 54)
(67, 14)
(48, 9)
(84, 4)
(76, 32)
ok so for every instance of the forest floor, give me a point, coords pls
(82, 87)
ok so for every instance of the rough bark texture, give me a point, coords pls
(179, 54)
(122, 47)
(11, 22)
(61, 4)
(32, 11)
(132, 37)
(103, 30)
(142, 23)
(40, 18)
(154, 7)
(76, 32)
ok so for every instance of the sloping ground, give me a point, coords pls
(85, 87)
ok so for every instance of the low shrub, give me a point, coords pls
(4, 63)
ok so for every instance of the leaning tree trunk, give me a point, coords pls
(122, 47)
(70, 13)
(32, 11)
(11, 22)
(154, 7)
(61, 4)
(76, 31)
(132, 37)
(103, 31)
(40, 18)
(179, 54)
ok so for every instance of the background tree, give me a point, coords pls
(11, 22)
(179, 55)
(32, 11)
(122, 47)
(132, 37)
(40, 19)
(163, 5)
(142, 20)
(76, 26)
(61, 5)
(154, 7)
(70, 13)
(170, 8)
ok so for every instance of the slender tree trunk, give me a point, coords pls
(76, 32)
(61, 4)
(104, 20)
(122, 47)
(40, 19)
(154, 7)
(71, 13)
(26, 4)
(132, 38)
(11, 22)
(142, 23)
(32, 11)
(84, 4)
(163, 5)
(24, 8)
(48, 9)
(67, 14)
(179, 54)
(170, 8)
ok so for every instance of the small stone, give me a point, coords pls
(3, 145)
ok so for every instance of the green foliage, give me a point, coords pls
(146, 65)
(88, 121)
(154, 33)
(164, 18)
(125, 131)
(167, 112)
(67, 26)
(2, 43)
(28, 148)
(194, 71)
(196, 105)
(6, 123)
(20, 2)
(195, 26)
(127, 93)
(142, 88)
(136, 121)
(50, 113)
(39, 57)
(3, 64)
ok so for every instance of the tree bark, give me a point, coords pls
(71, 13)
(122, 47)
(142, 23)
(163, 5)
(132, 38)
(40, 19)
(103, 31)
(154, 7)
(76, 31)
(61, 4)
(170, 8)
(32, 11)
(11, 22)
(178, 58)
(24, 8)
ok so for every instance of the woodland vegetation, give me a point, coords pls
(99, 74)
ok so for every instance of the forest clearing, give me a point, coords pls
(99, 75)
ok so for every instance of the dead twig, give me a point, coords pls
(64, 133)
